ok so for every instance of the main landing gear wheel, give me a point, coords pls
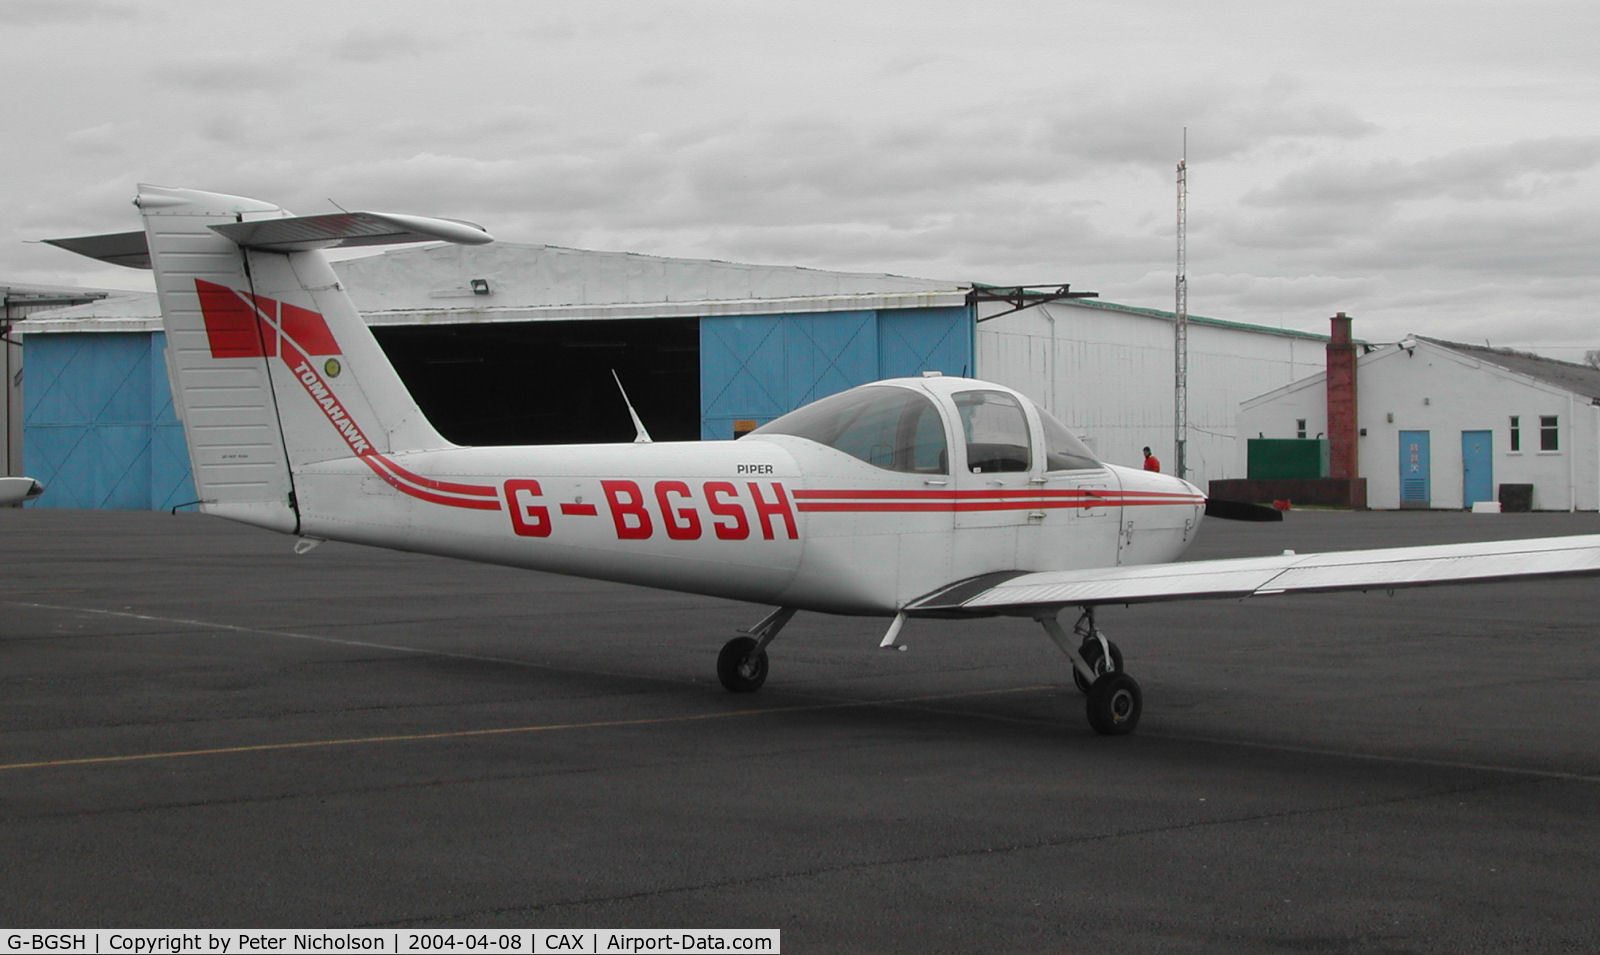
(1114, 697)
(1092, 655)
(1114, 704)
(740, 669)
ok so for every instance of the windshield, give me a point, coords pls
(887, 427)
(1063, 451)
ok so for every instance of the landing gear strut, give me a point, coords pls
(1114, 700)
(742, 664)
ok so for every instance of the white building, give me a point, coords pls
(1107, 371)
(1446, 425)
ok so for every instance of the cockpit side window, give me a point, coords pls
(1063, 450)
(996, 431)
(892, 428)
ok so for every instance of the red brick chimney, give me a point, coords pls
(1343, 453)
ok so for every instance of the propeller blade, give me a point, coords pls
(1241, 511)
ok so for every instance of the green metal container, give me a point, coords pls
(1280, 458)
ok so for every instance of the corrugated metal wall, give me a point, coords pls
(759, 367)
(1106, 372)
(99, 428)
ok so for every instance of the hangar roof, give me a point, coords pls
(1202, 320)
(23, 300)
(519, 283)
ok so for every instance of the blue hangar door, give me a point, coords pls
(754, 368)
(1477, 467)
(99, 429)
(1414, 490)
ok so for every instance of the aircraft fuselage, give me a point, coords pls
(768, 519)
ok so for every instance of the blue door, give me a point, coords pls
(1414, 469)
(1477, 467)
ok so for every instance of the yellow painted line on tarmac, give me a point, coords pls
(504, 730)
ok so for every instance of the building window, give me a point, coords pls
(1516, 433)
(1300, 427)
(1548, 433)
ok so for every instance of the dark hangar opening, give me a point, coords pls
(550, 382)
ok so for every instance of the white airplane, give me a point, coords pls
(15, 490)
(913, 497)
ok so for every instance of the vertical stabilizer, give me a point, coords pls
(272, 367)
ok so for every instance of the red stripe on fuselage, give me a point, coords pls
(886, 501)
(376, 462)
(448, 487)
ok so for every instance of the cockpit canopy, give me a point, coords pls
(902, 429)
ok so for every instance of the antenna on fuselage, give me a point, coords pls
(640, 435)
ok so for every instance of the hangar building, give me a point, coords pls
(510, 343)
(1440, 424)
(17, 302)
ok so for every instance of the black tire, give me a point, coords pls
(738, 669)
(1090, 651)
(1114, 704)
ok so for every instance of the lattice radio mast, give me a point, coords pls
(1180, 350)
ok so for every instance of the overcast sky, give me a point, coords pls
(1426, 167)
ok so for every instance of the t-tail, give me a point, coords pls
(272, 367)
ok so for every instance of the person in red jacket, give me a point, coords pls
(1151, 462)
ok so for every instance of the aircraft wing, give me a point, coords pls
(1382, 569)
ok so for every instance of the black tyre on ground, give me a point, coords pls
(1114, 704)
(740, 670)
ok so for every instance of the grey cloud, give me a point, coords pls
(106, 139)
(225, 74)
(675, 75)
(383, 44)
(1507, 171)
(35, 13)
(1518, 244)
(1144, 127)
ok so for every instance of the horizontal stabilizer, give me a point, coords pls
(15, 490)
(118, 248)
(295, 234)
(349, 229)
(1382, 569)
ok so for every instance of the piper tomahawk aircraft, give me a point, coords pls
(929, 496)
